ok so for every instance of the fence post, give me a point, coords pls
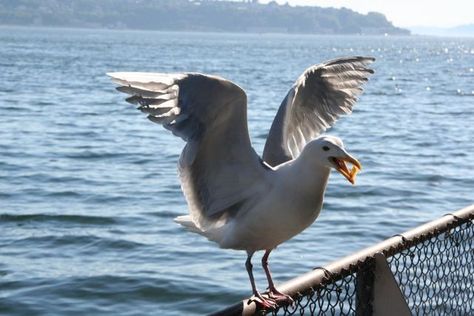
(388, 299)
(365, 289)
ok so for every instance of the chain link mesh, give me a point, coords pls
(435, 272)
(336, 295)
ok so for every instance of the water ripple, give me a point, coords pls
(89, 188)
(52, 218)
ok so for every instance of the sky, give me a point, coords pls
(406, 13)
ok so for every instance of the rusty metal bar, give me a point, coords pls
(350, 264)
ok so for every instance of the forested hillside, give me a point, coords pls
(220, 16)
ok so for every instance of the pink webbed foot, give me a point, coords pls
(262, 302)
(280, 297)
(273, 293)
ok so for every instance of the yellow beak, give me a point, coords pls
(341, 167)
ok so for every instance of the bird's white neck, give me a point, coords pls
(312, 175)
(307, 177)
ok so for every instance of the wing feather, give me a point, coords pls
(218, 167)
(318, 98)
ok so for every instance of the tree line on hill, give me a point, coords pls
(197, 15)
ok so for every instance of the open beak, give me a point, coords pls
(340, 165)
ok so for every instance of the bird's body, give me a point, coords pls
(235, 198)
(288, 201)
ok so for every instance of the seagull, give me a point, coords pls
(236, 198)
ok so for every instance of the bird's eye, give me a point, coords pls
(326, 148)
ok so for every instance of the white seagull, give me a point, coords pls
(235, 198)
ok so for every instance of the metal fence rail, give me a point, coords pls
(425, 271)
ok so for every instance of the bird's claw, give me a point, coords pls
(278, 297)
(263, 302)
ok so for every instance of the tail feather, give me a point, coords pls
(213, 234)
(187, 222)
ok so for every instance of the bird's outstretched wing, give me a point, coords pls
(317, 99)
(218, 167)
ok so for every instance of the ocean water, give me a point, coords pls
(89, 187)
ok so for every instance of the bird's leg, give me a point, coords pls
(261, 301)
(273, 292)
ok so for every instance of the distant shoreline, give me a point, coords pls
(414, 35)
(83, 28)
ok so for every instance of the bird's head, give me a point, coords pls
(329, 152)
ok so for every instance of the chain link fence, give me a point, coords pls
(433, 266)
(436, 275)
